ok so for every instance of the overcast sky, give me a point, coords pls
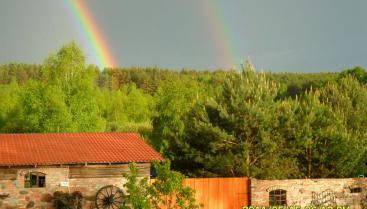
(281, 35)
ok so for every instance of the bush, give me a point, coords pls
(62, 200)
(166, 190)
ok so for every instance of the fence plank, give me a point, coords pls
(220, 193)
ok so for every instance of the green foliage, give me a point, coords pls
(209, 123)
(9, 107)
(139, 190)
(20, 73)
(321, 137)
(174, 99)
(67, 70)
(348, 99)
(234, 133)
(250, 129)
(298, 83)
(358, 73)
(44, 109)
(167, 190)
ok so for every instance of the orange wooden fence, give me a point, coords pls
(220, 193)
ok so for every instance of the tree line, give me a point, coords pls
(208, 123)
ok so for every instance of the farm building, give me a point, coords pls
(34, 166)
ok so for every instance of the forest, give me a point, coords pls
(207, 123)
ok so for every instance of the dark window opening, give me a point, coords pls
(35, 180)
(278, 197)
(356, 190)
(153, 172)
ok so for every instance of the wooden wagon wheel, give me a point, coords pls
(109, 197)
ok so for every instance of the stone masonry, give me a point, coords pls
(306, 192)
(13, 194)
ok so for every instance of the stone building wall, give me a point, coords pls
(13, 193)
(21, 197)
(307, 192)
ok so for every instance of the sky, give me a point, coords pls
(281, 35)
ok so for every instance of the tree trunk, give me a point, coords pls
(248, 162)
(309, 162)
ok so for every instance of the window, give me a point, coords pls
(35, 180)
(277, 197)
(356, 190)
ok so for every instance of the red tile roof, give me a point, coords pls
(74, 148)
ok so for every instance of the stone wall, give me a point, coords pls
(13, 193)
(307, 192)
(21, 197)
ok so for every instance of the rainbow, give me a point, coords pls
(92, 33)
(220, 33)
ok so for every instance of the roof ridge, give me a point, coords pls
(70, 133)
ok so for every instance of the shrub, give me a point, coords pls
(166, 190)
(62, 200)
